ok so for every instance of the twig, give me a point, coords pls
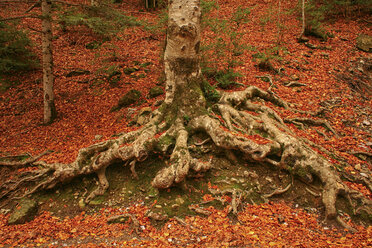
(312, 192)
(33, 6)
(368, 154)
(313, 122)
(131, 216)
(294, 84)
(202, 142)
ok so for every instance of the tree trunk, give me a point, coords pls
(48, 77)
(303, 20)
(181, 59)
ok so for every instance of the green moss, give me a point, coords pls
(129, 98)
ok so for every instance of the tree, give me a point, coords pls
(231, 124)
(50, 112)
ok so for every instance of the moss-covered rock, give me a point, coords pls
(129, 98)
(155, 91)
(77, 72)
(364, 43)
(26, 211)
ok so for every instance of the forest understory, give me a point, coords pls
(290, 138)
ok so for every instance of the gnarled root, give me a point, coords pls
(262, 138)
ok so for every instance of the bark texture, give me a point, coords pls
(231, 124)
(48, 77)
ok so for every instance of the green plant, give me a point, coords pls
(15, 50)
(265, 58)
(102, 20)
(225, 46)
(226, 79)
(210, 92)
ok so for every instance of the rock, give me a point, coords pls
(155, 91)
(180, 201)
(129, 98)
(157, 216)
(175, 206)
(26, 211)
(77, 73)
(98, 137)
(81, 203)
(144, 115)
(364, 43)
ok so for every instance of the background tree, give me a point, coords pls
(50, 112)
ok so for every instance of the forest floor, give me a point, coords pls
(84, 102)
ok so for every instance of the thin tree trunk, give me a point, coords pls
(279, 23)
(48, 77)
(303, 20)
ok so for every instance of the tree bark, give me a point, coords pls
(181, 57)
(48, 77)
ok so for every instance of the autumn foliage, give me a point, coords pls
(83, 103)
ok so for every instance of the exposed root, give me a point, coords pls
(30, 160)
(236, 201)
(119, 218)
(345, 225)
(200, 210)
(133, 169)
(276, 145)
(102, 187)
(294, 84)
(279, 191)
(240, 97)
(313, 122)
(179, 163)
